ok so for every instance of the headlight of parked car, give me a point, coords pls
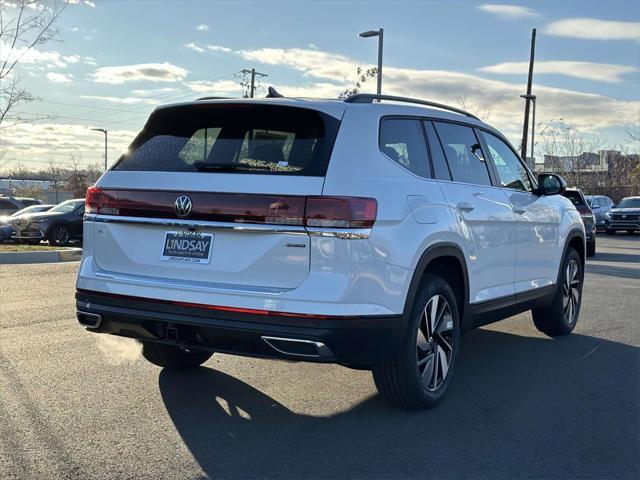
(608, 215)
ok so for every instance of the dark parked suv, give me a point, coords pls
(624, 216)
(588, 218)
(59, 225)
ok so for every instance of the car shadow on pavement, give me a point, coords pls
(618, 257)
(518, 407)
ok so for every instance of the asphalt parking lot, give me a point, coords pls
(522, 405)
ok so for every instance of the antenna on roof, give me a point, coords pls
(273, 93)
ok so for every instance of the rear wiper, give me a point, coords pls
(225, 167)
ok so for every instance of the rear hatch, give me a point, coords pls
(214, 195)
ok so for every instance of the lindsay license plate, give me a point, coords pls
(187, 247)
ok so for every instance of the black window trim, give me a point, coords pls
(493, 174)
(490, 170)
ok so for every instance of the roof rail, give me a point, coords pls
(370, 97)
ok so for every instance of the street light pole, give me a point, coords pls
(380, 34)
(105, 145)
(533, 99)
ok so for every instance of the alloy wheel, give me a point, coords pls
(434, 343)
(61, 235)
(571, 291)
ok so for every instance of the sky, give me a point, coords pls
(119, 59)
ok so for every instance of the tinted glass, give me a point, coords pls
(511, 172)
(7, 205)
(575, 198)
(29, 201)
(402, 140)
(461, 147)
(233, 138)
(440, 169)
(595, 203)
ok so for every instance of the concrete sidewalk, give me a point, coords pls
(46, 256)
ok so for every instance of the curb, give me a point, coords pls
(50, 256)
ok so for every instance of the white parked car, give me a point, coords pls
(370, 234)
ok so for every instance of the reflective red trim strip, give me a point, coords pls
(271, 209)
(203, 306)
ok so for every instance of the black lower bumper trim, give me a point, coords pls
(352, 341)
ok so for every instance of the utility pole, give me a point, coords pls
(253, 73)
(105, 144)
(525, 128)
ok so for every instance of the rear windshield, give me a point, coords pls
(575, 198)
(262, 139)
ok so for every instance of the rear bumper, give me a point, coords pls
(351, 341)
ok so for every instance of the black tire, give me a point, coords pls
(561, 315)
(591, 248)
(611, 232)
(59, 235)
(399, 379)
(170, 356)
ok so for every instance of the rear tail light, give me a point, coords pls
(312, 211)
(341, 212)
(92, 200)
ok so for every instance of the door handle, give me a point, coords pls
(519, 210)
(465, 206)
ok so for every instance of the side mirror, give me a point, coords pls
(551, 184)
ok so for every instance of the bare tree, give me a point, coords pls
(482, 113)
(361, 78)
(24, 24)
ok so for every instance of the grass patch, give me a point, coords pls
(19, 247)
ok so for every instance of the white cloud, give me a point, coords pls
(594, 29)
(88, 3)
(59, 77)
(33, 56)
(90, 61)
(218, 48)
(56, 140)
(152, 72)
(310, 62)
(508, 11)
(601, 72)
(586, 111)
(122, 100)
(71, 58)
(219, 86)
(194, 47)
(202, 27)
(153, 91)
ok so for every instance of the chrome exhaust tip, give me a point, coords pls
(296, 347)
(89, 320)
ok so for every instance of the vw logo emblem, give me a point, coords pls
(183, 206)
(624, 216)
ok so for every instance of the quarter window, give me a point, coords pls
(402, 140)
(464, 153)
(511, 172)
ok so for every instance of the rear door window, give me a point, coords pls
(249, 138)
(402, 140)
(440, 168)
(464, 153)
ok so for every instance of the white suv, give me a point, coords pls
(361, 232)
